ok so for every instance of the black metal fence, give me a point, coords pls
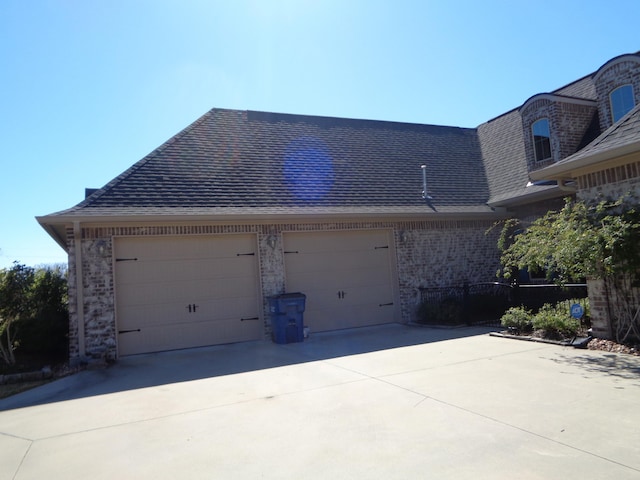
(484, 303)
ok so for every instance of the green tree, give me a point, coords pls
(45, 330)
(584, 240)
(15, 304)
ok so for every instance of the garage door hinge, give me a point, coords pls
(244, 254)
(126, 259)
(378, 248)
(247, 319)
(128, 331)
(292, 251)
(385, 304)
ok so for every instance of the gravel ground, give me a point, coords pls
(611, 346)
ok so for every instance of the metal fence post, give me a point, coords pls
(465, 302)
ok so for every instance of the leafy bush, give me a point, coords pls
(33, 313)
(584, 240)
(45, 331)
(518, 318)
(555, 321)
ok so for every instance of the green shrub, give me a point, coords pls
(518, 318)
(45, 331)
(34, 319)
(555, 321)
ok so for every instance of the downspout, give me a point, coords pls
(77, 238)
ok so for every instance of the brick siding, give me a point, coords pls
(612, 76)
(568, 123)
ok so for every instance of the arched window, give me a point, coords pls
(541, 139)
(622, 101)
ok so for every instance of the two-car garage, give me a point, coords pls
(187, 291)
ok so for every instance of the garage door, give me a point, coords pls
(346, 276)
(181, 292)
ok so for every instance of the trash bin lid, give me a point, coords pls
(292, 295)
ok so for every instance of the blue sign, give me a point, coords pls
(577, 311)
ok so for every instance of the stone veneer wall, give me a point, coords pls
(429, 253)
(612, 182)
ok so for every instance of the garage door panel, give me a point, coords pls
(330, 298)
(161, 248)
(150, 271)
(144, 293)
(370, 277)
(340, 241)
(346, 277)
(167, 312)
(333, 319)
(195, 334)
(169, 298)
(335, 261)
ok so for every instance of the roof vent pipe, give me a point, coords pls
(425, 195)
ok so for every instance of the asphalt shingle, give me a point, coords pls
(243, 159)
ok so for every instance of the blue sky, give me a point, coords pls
(88, 87)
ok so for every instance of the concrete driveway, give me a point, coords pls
(382, 402)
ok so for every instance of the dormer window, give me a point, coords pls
(622, 101)
(541, 139)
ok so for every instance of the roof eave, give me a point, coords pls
(537, 195)
(566, 169)
(55, 231)
(52, 223)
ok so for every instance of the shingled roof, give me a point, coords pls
(503, 151)
(232, 162)
(241, 164)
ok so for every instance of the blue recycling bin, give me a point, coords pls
(287, 319)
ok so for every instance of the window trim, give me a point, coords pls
(544, 146)
(611, 107)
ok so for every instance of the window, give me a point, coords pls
(541, 139)
(621, 102)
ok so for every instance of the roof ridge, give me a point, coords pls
(333, 121)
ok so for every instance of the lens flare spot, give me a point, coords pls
(308, 169)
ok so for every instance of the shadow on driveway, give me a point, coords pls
(620, 366)
(149, 370)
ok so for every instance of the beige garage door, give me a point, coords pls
(181, 292)
(346, 276)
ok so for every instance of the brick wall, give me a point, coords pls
(614, 74)
(435, 254)
(568, 123)
(598, 304)
(428, 253)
